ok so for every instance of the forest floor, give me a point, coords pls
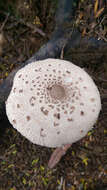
(24, 27)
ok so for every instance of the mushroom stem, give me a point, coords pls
(57, 155)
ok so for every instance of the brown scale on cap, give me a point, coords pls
(14, 121)
(38, 77)
(63, 107)
(41, 97)
(85, 87)
(20, 76)
(77, 98)
(71, 111)
(73, 94)
(80, 78)
(82, 113)
(14, 90)
(57, 115)
(28, 118)
(51, 106)
(72, 108)
(21, 90)
(56, 124)
(65, 112)
(59, 78)
(58, 132)
(68, 72)
(40, 69)
(38, 93)
(81, 103)
(93, 110)
(45, 79)
(18, 105)
(42, 133)
(32, 101)
(70, 119)
(76, 82)
(92, 99)
(58, 109)
(67, 105)
(44, 111)
(81, 131)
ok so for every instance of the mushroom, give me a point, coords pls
(53, 103)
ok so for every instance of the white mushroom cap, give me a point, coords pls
(53, 102)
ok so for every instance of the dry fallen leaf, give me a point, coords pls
(99, 12)
(95, 7)
(84, 32)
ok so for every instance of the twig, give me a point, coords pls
(62, 52)
(101, 36)
(2, 26)
(35, 29)
(61, 184)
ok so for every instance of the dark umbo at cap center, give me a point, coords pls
(57, 92)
